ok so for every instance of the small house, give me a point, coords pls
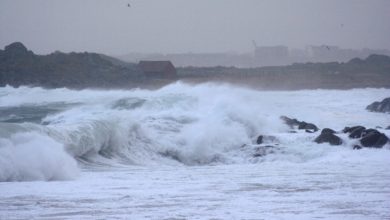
(157, 69)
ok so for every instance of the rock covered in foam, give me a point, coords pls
(261, 151)
(356, 132)
(328, 136)
(368, 137)
(383, 106)
(301, 125)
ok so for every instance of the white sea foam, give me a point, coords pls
(178, 124)
(31, 156)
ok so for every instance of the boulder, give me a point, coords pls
(357, 132)
(350, 129)
(357, 147)
(327, 136)
(307, 126)
(374, 139)
(290, 121)
(266, 139)
(259, 139)
(347, 130)
(368, 131)
(383, 106)
(302, 125)
(328, 130)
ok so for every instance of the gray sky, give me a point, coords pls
(168, 26)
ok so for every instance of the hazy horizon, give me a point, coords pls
(178, 26)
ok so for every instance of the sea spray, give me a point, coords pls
(32, 156)
(176, 125)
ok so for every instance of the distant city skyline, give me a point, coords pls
(198, 26)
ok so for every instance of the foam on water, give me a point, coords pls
(176, 125)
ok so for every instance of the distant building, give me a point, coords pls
(157, 69)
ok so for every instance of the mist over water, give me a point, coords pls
(44, 132)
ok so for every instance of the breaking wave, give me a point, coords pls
(44, 132)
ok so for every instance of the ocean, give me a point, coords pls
(188, 152)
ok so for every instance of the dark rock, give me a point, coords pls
(350, 129)
(357, 131)
(357, 147)
(374, 139)
(259, 139)
(309, 131)
(326, 137)
(368, 131)
(328, 130)
(290, 121)
(388, 127)
(347, 130)
(307, 126)
(266, 139)
(383, 106)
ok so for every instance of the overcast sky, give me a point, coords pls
(170, 26)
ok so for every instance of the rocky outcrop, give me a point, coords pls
(356, 132)
(301, 125)
(374, 139)
(291, 122)
(383, 106)
(368, 137)
(328, 130)
(19, 66)
(327, 136)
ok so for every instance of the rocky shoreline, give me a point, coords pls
(21, 67)
(365, 137)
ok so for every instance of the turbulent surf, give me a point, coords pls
(47, 134)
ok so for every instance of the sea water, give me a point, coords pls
(188, 152)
